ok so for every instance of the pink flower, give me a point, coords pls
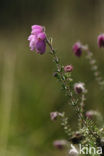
(37, 39)
(68, 68)
(77, 49)
(100, 40)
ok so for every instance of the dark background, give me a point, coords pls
(28, 92)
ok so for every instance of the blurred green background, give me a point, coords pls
(28, 91)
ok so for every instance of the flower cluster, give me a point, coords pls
(37, 39)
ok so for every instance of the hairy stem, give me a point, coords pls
(95, 69)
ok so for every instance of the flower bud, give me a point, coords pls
(54, 115)
(79, 88)
(68, 68)
(77, 49)
(100, 40)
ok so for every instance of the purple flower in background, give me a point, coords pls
(77, 49)
(68, 68)
(60, 144)
(100, 40)
(37, 39)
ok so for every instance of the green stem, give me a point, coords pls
(64, 81)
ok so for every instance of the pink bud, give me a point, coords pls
(100, 40)
(54, 115)
(77, 49)
(68, 68)
(79, 88)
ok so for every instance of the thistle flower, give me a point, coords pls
(100, 40)
(68, 68)
(60, 144)
(79, 88)
(37, 39)
(73, 151)
(77, 49)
